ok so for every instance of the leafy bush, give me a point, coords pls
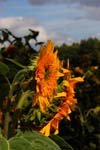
(30, 140)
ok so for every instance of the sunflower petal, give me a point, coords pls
(62, 94)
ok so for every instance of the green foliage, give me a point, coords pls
(4, 69)
(83, 54)
(23, 98)
(64, 145)
(17, 49)
(30, 140)
(4, 145)
(19, 143)
(83, 131)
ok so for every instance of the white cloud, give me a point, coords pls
(60, 37)
(72, 30)
(20, 26)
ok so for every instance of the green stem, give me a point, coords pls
(7, 81)
(7, 117)
(82, 122)
(16, 63)
(6, 123)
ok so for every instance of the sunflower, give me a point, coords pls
(47, 70)
(53, 124)
(70, 90)
(47, 73)
(65, 109)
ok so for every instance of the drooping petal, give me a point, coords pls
(46, 129)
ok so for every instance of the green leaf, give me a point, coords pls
(38, 115)
(61, 142)
(23, 98)
(39, 141)
(3, 68)
(20, 143)
(4, 145)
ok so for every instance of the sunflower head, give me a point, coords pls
(47, 70)
(46, 75)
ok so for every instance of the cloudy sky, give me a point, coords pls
(63, 21)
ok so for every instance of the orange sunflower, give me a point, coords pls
(47, 70)
(53, 124)
(70, 90)
(47, 73)
(65, 108)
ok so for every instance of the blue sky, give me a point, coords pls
(63, 21)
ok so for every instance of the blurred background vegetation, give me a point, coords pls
(83, 131)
